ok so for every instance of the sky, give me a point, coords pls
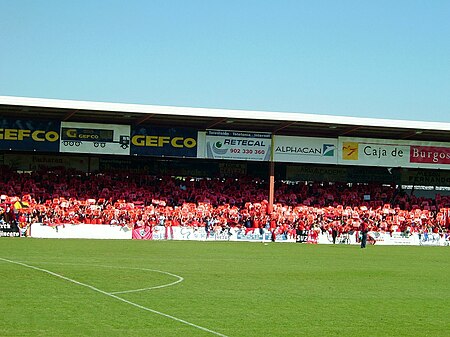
(361, 58)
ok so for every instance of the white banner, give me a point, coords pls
(388, 239)
(237, 145)
(305, 150)
(373, 152)
(80, 231)
(87, 231)
(393, 153)
(95, 138)
(397, 238)
(199, 234)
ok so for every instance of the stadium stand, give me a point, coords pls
(60, 196)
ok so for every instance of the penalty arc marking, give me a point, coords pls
(177, 277)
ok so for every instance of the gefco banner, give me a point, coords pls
(95, 138)
(238, 145)
(29, 135)
(393, 153)
(168, 142)
(305, 150)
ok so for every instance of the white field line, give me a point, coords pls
(116, 297)
(179, 278)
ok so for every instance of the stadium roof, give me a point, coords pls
(283, 123)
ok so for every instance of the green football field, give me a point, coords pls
(169, 288)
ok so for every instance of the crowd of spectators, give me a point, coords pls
(61, 196)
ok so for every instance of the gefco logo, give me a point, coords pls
(24, 134)
(101, 135)
(350, 151)
(161, 141)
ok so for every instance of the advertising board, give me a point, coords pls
(166, 142)
(29, 135)
(26, 162)
(305, 150)
(238, 145)
(393, 153)
(95, 138)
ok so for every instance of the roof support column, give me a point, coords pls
(271, 177)
(271, 186)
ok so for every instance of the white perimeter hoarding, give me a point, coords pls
(95, 138)
(238, 145)
(305, 150)
(393, 153)
(80, 231)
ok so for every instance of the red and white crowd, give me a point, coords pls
(61, 196)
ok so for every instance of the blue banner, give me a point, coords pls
(167, 142)
(29, 135)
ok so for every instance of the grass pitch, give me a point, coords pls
(81, 288)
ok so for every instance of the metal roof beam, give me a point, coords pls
(216, 122)
(412, 134)
(143, 119)
(283, 126)
(70, 114)
(350, 130)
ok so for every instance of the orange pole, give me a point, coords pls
(271, 186)
(271, 177)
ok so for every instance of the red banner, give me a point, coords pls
(143, 233)
(429, 154)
